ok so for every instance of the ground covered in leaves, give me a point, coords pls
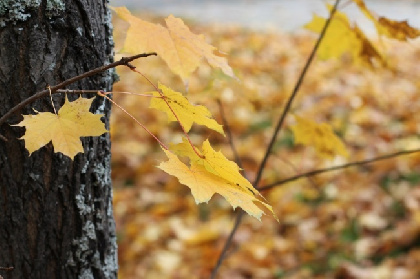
(360, 222)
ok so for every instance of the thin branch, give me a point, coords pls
(229, 135)
(241, 213)
(81, 91)
(275, 133)
(296, 170)
(339, 167)
(229, 240)
(7, 268)
(292, 97)
(38, 95)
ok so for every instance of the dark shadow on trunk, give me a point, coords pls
(56, 216)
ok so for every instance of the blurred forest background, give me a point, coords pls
(360, 222)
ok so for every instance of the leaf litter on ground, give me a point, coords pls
(357, 222)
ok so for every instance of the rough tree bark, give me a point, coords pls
(56, 216)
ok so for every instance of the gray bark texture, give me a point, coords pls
(56, 218)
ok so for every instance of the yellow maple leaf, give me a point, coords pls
(64, 129)
(342, 38)
(399, 30)
(339, 39)
(184, 110)
(214, 162)
(321, 136)
(205, 184)
(181, 49)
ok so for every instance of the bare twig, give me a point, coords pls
(229, 240)
(80, 91)
(292, 97)
(296, 170)
(38, 95)
(238, 160)
(7, 268)
(275, 133)
(229, 135)
(339, 167)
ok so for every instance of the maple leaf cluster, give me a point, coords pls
(337, 224)
(182, 50)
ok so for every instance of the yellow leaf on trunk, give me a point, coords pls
(64, 129)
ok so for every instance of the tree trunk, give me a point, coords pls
(56, 216)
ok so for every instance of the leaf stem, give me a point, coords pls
(275, 133)
(134, 69)
(169, 106)
(52, 103)
(229, 240)
(131, 93)
(81, 91)
(132, 117)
